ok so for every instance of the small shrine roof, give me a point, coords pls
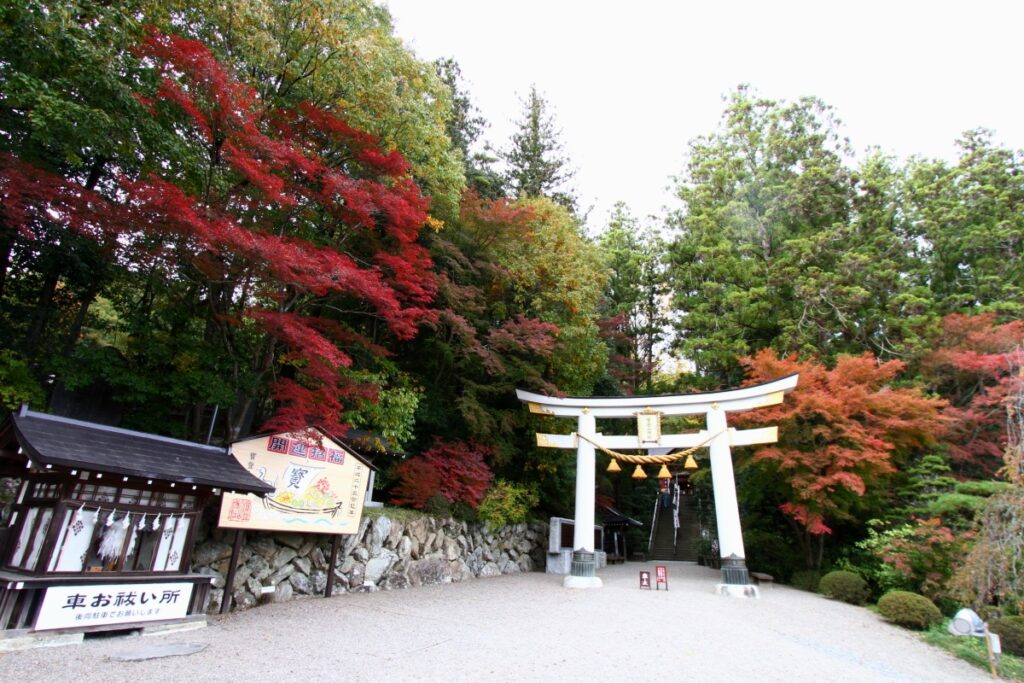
(63, 442)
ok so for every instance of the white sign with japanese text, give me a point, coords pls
(112, 603)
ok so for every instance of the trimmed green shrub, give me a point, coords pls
(909, 610)
(806, 580)
(507, 503)
(1011, 634)
(982, 487)
(845, 586)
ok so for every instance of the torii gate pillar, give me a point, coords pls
(717, 436)
(584, 562)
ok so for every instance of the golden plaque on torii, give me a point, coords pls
(648, 426)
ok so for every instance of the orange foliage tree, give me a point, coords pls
(975, 364)
(841, 434)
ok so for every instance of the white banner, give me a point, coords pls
(112, 603)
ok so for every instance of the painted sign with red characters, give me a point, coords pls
(319, 486)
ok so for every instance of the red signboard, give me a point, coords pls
(645, 580)
(661, 576)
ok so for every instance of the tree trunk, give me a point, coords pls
(41, 316)
(79, 321)
(6, 245)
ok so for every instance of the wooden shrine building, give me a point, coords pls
(100, 534)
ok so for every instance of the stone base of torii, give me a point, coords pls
(717, 436)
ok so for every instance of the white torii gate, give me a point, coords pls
(717, 435)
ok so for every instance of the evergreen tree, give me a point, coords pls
(464, 127)
(536, 165)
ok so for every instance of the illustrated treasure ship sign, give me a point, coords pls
(303, 489)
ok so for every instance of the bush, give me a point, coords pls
(507, 503)
(806, 580)
(1011, 634)
(845, 586)
(909, 610)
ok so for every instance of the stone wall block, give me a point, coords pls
(301, 582)
(244, 600)
(210, 552)
(263, 545)
(385, 554)
(318, 558)
(377, 566)
(216, 599)
(396, 533)
(282, 557)
(293, 541)
(302, 564)
(283, 592)
(489, 569)
(218, 578)
(260, 567)
(281, 574)
(319, 579)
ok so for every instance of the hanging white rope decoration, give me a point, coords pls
(649, 459)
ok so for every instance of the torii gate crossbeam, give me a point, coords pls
(717, 435)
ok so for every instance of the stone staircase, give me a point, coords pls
(684, 549)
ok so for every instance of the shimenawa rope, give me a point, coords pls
(649, 459)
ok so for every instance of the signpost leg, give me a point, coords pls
(330, 566)
(229, 583)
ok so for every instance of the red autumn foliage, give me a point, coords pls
(975, 362)
(304, 208)
(839, 430)
(454, 470)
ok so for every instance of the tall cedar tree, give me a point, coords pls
(536, 165)
(842, 433)
(296, 213)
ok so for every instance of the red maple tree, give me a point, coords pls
(839, 432)
(975, 363)
(454, 470)
(294, 214)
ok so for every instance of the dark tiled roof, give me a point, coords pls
(60, 441)
(613, 517)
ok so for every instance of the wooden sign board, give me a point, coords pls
(320, 488)
(648, 426)
(660, 576)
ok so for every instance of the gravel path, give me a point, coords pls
(524, 627)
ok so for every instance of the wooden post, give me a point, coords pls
(330, 566)
(991, 654)
(229, 584)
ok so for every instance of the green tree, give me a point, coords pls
(536, 164)
(970, 220)
(635, 319)
(772, 173)
(464, 127)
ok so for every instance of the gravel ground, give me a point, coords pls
(523, 627)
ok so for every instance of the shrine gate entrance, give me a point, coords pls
(717, 436)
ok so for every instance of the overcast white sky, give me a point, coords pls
(632, 82)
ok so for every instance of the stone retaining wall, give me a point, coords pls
(385, 554)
